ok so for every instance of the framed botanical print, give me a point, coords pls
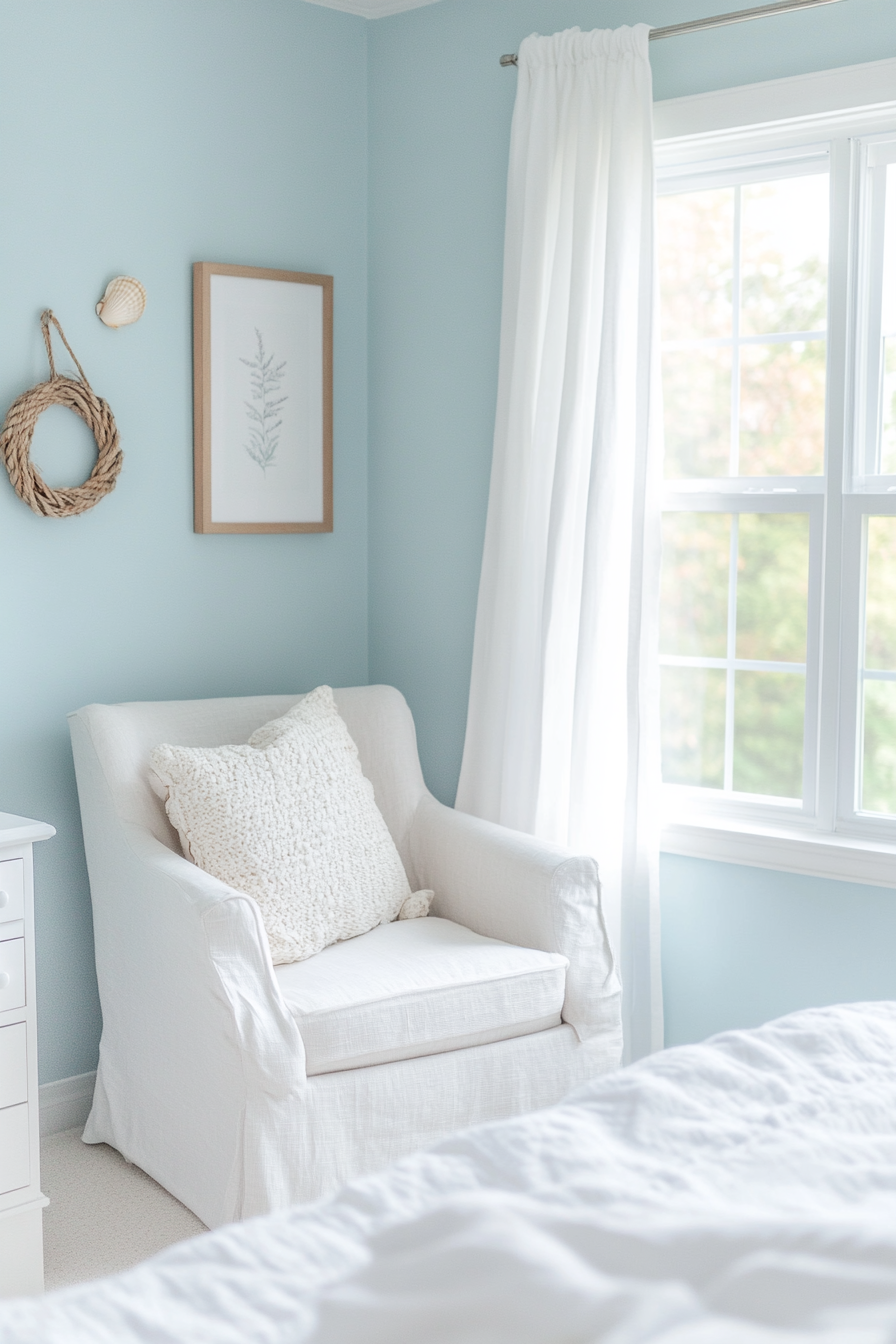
(262, 400)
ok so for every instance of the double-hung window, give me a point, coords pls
(777, 251)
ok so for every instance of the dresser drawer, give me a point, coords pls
(12, 974)
(15, 1163)
(13, 1065)
(12, 890)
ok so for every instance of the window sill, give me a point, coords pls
(844, 858)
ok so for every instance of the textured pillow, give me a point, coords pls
(290, 819)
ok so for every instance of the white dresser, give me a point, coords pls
(21, 1202)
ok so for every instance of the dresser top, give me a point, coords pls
(17, 830)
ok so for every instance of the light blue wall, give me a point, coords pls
(139, 138)
(440, 111)
(743, 945)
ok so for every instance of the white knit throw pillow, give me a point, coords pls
(290, 819)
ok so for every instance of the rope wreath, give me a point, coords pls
(18, 431)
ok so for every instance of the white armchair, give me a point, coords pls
(242, 1087)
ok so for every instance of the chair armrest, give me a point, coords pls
(198, 1049)
(504, 884)
(224, 928)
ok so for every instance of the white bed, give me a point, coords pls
(741, 1190)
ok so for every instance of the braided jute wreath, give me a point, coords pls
(18, 431)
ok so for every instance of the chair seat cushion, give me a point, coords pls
(418, 987)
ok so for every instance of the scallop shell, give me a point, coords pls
(122, 303)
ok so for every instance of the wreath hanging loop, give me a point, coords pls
(18, 432)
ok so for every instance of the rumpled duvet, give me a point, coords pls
(739, 1190)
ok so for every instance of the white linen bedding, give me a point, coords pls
(740, 1190)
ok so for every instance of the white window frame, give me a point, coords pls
(848, 110)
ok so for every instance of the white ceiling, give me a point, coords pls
(373, 9)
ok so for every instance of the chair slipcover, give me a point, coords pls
(202, 1077)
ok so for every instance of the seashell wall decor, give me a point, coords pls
(122, 303)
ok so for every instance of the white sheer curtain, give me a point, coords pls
(562, 730)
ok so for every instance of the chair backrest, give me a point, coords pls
(378, 719)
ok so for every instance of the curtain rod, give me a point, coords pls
(718, 20)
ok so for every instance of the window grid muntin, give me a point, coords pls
(849, 491)
(735, 503)
(758, 171)
(755, 493)
(734, 410)
(883, 508)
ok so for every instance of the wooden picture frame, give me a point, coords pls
(262, 400)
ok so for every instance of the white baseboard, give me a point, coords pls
(65, 1104)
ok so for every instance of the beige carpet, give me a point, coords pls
(104, 1215)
